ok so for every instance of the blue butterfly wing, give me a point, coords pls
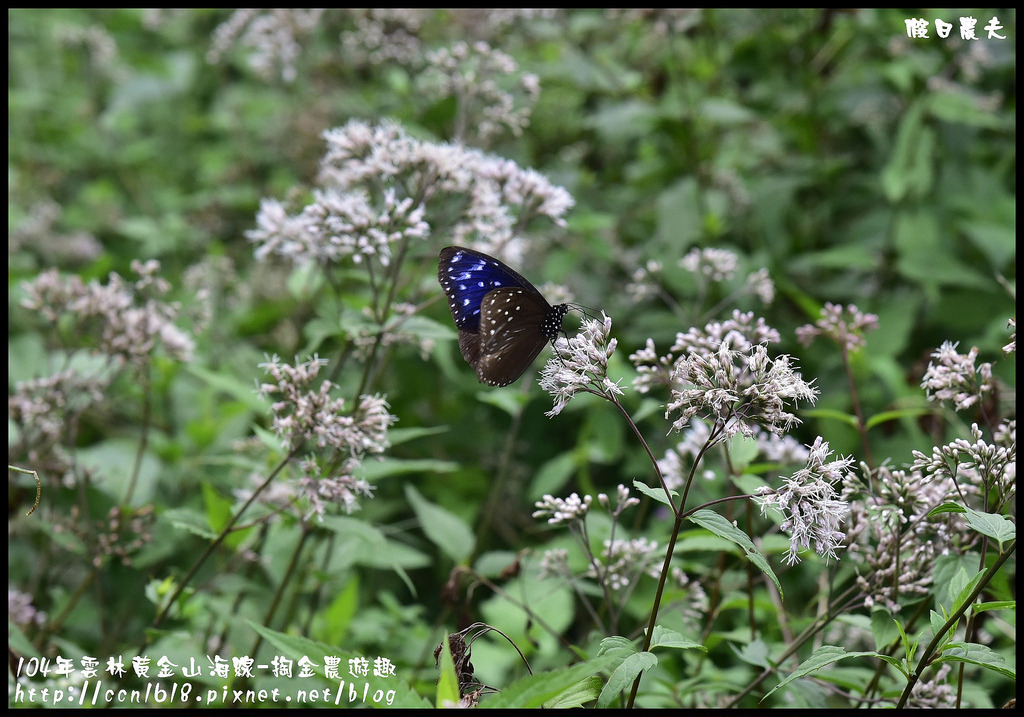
(467, 276)
(503, 321)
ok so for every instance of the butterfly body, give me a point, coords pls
(503, 321)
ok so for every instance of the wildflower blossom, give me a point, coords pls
(715, 264)
(38, 232)
(693, 606)
(623, 500)
(384, 35)
(642, 281)
(555, 564)
(974, 462)
(581, 364)
(486, 84)
(272, 37)
(741, 331)
(893, 540)
(844, 325)
(1012, 346)
(954, 377)
(127, 321)
(623, 561)
(342, 488)
(737, 391)
(301, 414)
(562, 510)
(761, 285)
(44, 409)
(364, 202)
(21, 611)
(935, 692)
(811, 504)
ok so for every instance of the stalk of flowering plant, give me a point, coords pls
(727, 380)
(908, 527)
(102, 333)
(309, 416)
(846, 326)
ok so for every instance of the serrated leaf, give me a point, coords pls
(663, 637)
(657, 494)
(624, 676)
(979, 655)
(998, 527)
(822, 657)
(712, 521)
(577, 695)
(616, 645)
(541, 689)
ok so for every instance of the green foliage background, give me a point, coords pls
(856, 164)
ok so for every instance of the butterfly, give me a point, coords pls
(503, 321)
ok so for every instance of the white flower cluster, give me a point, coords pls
(811, 504)
(485, 83)
(623, 561)
(128, 327)
(379, 185)
(976, 462)
(273, 38)
(737, 390)
(954, 377)
(581, 364)
(715, 264)
(301, 414)
(562, 510)
(844, 325)
(742, 332)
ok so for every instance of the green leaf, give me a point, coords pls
(366, 544)
(552, 475)
(448, 682)
(980, 655)
(624, 676)
(545, 688)
(754, 653)
(721, 527)
(657, 494)
(242, 391)
(995, 605)
(374, 469)
(511, 402)
(617, 645)
(961, 108)
(895, 415)
(578, 695)
(998, 527)
(397, 435)
(341, 611)
(822, 657)
(742, 450)
(829, 413)
(446, 530)
(909, 173)
(663, 637)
